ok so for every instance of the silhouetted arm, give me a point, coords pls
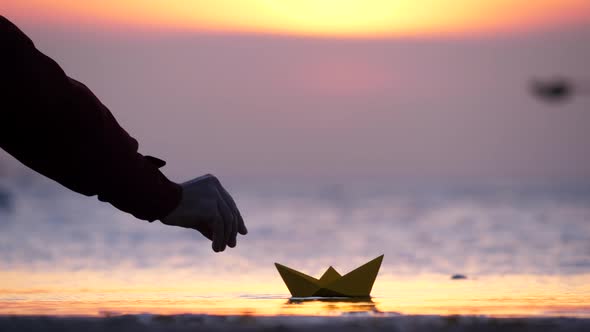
(56, 126)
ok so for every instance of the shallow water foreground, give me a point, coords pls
(282, 323)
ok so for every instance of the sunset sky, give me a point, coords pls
(299, 88)
(343, 18)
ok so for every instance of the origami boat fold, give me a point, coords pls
(356, 283)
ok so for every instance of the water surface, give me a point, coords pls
(524, 249)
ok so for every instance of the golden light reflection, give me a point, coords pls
(94, 294)
(347, 18)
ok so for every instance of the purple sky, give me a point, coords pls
(420, 109)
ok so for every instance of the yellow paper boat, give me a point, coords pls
(356, 283)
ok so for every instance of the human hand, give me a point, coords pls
(208, 208)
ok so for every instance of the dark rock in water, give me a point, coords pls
(458, 277)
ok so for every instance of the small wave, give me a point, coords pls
(262, 296)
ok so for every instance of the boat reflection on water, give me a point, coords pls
(333, 305)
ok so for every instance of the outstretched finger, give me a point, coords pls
(233, 234)
(231, 221)
(218, 234)
(227, 215)
(241, 225)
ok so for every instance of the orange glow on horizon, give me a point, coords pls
(331, 18)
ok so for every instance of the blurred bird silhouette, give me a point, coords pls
(555, 90)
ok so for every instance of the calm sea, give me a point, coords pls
(524, 250)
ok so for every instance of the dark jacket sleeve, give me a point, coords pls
(57, 126)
